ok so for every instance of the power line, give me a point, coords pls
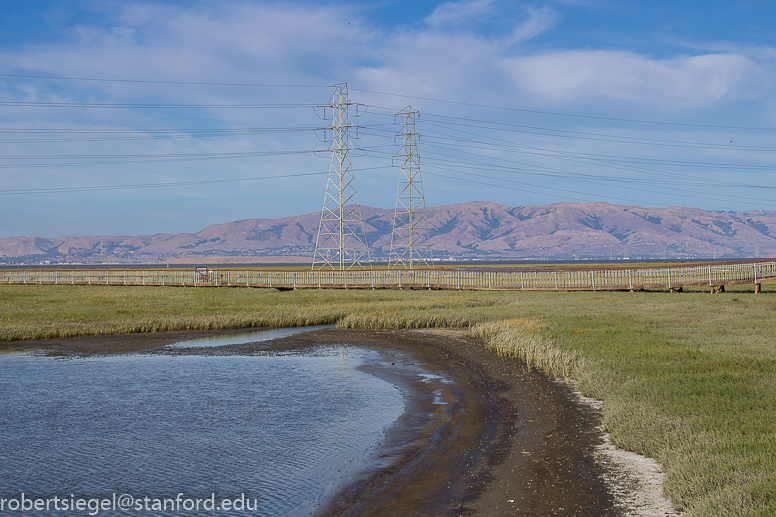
(588, 177)
(146, 81)
(589, 157)
(156, 155)
(445, 101)
(445, 125)
(110, 134)
(101, 130)
(583, 135)
(554, 189)
(674, 191)
(27, 104)
(609, 161)
(560, 114)
(521, 189)
(599, 158)
(558, 153)
(152, 157)
(140, 158)
(139, 135)
(158, 185)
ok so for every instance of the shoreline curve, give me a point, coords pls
(495, 438)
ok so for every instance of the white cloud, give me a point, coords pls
(236, 41)
(432, 64)
(281, 43)
(539, 20)
(456, 13)
(469, 13)
(573, 76)
(478, 69)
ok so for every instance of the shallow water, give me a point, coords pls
(282, 431)
(244, 336)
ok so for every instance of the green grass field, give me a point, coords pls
(688, 379)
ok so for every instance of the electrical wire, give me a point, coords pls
(560, 114)
(171, 135)
(388, 94)
(554, 195)
(29, 104)
(587, 157)
(597, 158)
(599, 137)
(673, 191)
(142, 158)
(145, 81)
(462, 152)
(58, 190)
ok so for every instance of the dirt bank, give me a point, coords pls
(513, 443)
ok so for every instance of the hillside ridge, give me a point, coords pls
(476, 229)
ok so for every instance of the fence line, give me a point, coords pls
(713, 276)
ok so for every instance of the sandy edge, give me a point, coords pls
(635, 480)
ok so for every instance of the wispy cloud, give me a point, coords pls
(539, 20)
(291, 43)
(236, 40)
(469, 14)
(457, 13)
(687, 81)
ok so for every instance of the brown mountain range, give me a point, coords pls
(466, 230)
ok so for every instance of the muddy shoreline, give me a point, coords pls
(482, 435)
(515, 443)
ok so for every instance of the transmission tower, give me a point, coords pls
(341, 242)
(410, 244)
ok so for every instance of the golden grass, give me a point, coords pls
(520, 338)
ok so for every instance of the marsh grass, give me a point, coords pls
(54, 312)
(688, 379)
(41, 312)
(522, 338)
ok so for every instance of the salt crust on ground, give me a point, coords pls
(636, 481)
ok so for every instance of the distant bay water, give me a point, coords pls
(277, 432)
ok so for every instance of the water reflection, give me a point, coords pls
(244, 336)
(281, 429)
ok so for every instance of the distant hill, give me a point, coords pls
(466, 230)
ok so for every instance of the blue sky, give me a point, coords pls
(161, 117)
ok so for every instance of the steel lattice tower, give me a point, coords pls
(341, 242)
(410, 244)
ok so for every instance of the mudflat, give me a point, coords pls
(511, 441)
